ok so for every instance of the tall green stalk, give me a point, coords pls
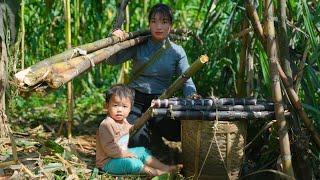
(70, 98)
(23, 32)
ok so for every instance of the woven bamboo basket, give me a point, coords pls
(213, 154)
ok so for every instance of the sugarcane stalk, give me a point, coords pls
(23, 32)
(294, 98)
(83, 63)
(120, 13)
(124, 76)
(283, 41)
(255, 20)
(170, 91)
(258, 107)
(250, 75)
(22, 76)
(208, 102)
(196, 66)
(240, 82)
(70, 98)
(212, 115)
(276, 89)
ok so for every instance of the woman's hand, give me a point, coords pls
(119, 33)
(194, 96)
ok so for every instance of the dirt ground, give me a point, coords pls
(36, 155)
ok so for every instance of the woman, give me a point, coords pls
(157, 77)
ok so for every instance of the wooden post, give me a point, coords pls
(198, 64)
(276, 89)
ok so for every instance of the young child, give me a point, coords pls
(112, 153)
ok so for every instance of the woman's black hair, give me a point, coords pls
(122, 91)
(163, 10)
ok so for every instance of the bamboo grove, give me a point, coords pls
(263, 49)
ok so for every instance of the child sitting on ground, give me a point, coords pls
(112, 153)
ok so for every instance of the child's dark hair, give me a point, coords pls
(164, 10)
(122, 91)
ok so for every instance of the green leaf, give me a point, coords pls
(166, 176)
(54, 146)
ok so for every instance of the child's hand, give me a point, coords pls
(129, 155)
(119, 33)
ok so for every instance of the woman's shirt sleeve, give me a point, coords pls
(189, 88)
(122, 56)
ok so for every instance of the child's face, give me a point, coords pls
(118, 108)
(160, 27)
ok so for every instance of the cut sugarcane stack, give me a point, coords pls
(213, 109)
(53, 72)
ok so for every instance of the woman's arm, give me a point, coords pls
(189, 88)
(122, 55)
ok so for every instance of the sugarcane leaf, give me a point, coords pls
(314, 78)
(308, 23)
(315, 56)
(48, 4)
(311, 108)
(166, 176)
(54, 146)
(264, 65)
(51, 167)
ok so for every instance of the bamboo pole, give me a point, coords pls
(276, 90)
(170, 91)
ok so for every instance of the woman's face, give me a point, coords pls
(160, 27)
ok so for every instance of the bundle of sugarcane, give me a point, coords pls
(212, 108)
(53, 72)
